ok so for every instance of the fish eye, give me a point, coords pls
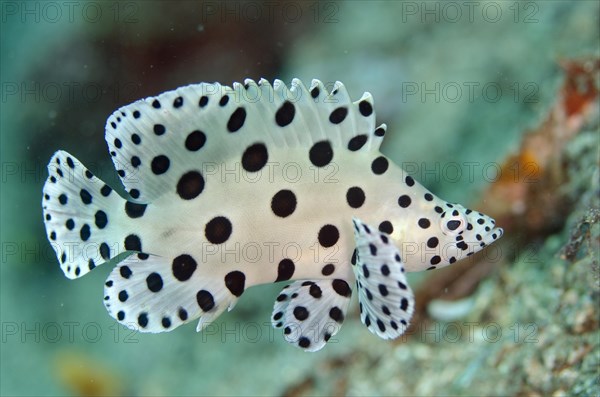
(453, 223)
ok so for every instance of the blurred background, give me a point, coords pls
(491, 104)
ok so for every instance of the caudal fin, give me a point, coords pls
(84, 217)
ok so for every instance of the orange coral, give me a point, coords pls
(525, 196)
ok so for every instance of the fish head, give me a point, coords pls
(474, 229)
(453, 233)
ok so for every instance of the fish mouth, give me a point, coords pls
(493, 235)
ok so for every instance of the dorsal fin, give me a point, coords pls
(154, 141)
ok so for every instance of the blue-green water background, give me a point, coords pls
(66, 67)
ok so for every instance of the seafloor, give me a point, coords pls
(495, 108)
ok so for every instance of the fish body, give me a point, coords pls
(232, 187)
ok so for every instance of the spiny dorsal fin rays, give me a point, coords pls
(266, 101)
(318, 93)
(386, 301)
(340, 99)
(282, 98)
(377, 137)
(255, 91)
(364, 123)
(153, 142)
(155, 294)
(312, 124)
(306, 119)
(311, 312)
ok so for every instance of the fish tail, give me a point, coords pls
(85, 219)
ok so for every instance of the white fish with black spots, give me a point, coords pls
(232, 187)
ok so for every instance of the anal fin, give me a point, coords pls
(386, 301)
(156, 294)
(311, 312)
